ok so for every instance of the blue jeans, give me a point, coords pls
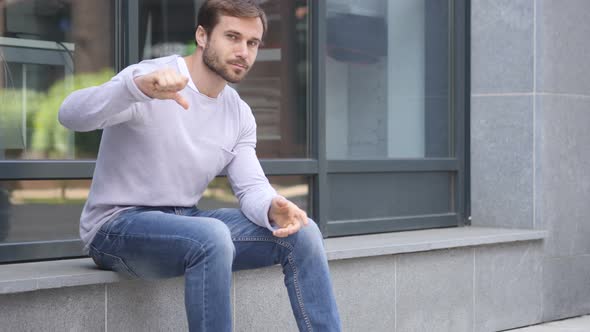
(205, 246)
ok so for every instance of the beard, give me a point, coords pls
(213, 62)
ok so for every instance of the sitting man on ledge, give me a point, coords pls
(170, 126)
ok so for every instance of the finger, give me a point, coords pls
(287, 230)
(280, 232)
(294, 228)
(304, 218)
(170, 79)
(181, 101)
(177, 81)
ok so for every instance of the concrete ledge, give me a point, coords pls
(425, 240)
(23, 277)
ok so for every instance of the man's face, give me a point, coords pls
(232, 47)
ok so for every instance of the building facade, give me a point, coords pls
(440, 145)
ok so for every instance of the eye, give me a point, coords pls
(232, 37)
(253, 43)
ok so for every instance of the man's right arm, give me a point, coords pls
(112, 103)
(102, 106)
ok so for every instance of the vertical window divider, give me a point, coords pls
(318, 110)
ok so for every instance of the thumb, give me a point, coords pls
(281, 202)
(180, 100)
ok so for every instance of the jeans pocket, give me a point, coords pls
(111, 262)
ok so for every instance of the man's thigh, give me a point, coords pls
(255, 245)
(152, 242)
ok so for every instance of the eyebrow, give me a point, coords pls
(239, 34)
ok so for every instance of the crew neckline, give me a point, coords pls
(183, 67)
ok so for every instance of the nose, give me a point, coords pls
(241, 50)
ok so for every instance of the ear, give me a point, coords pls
(201, 36)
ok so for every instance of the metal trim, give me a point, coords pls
(46, 170)
(30, 251)
(390, 224)
(394, 165)
(289, 166)
(317, 42)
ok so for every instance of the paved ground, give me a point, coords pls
(576, 324)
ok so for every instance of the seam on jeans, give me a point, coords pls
(264, 239)
(298, 292)
(205, 297)
(116, 258)
(176, 237)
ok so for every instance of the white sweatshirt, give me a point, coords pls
(155, 153)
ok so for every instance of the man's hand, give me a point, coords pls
(287, 216)
(163, 84)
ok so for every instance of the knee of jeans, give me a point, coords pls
(309, 239)
(219, 241)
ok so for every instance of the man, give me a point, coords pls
(170, 126)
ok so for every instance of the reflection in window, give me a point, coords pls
(47, 50)
(387, 95)
(275, 88)
(41, 210)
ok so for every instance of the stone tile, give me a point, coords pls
(502, 161)
(501, 46)
(562, 46)
(563, 180)
(365, 293)
(139, 305)
(262, 302)
(61, 309)
(508, 285)
(543, 328)
(571, 323)
(566, 291)
(435, 291)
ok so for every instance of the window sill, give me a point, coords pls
(23, 277)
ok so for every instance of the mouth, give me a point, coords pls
(239, 65)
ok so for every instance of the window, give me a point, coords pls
(361, 109)
(393, 108)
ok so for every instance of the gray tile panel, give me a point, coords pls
(502, 46)
(365, 293)
(562, 51)
(566, 287)
(508, 285)
(435, 291)
(564, 185)
(502, 161)
(67, 309)
(144, 306)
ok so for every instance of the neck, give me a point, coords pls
(206, 81)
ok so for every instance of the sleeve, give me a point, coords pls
(246, 176)
(104, 105)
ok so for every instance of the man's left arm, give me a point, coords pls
(258, 200)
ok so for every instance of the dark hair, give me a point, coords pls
(211, 10)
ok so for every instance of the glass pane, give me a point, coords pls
(47, 50)
(387, 79)
(41, 210)
(383, 195)
(295, 188)
(275, 88)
